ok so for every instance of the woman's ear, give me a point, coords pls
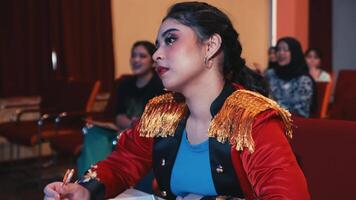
(213, 45)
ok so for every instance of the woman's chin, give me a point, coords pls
(136, 72)
(282, 64)
(169, 86)
(140, 72)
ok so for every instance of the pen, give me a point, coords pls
(67, 176)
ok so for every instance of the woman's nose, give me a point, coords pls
(157, 55)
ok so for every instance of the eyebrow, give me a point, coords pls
(165, 33)
(168, 31)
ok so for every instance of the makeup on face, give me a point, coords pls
(179, 57)
(168, 39)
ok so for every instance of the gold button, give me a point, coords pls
(164, 193)
(219, 169)
(163, 162)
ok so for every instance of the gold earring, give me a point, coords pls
(206, 60)
(208, 63)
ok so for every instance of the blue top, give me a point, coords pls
(296, 95)
(191, 172)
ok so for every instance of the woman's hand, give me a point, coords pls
(72, 191)
(52, 191)
(190, 197)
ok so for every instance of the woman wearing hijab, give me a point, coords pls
(289, 82)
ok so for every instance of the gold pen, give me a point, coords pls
(67, 176)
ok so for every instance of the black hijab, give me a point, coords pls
(297, 66)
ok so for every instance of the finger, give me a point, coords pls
(63, 190)
(51, 190)
(51, 198)
(68, 191)
(69, 188)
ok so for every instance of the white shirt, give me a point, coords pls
(324, 77)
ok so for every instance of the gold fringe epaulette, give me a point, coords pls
(235, 119)
(162, 115)
(232, 123)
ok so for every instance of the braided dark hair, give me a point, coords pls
(207, 20)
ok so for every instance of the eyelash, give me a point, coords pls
(169, 40)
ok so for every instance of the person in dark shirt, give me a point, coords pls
(133, 92)
(132, 98)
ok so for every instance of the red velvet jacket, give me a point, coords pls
(271, 170)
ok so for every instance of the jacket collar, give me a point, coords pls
(220, 99)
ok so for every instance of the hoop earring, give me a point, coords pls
(206, 60)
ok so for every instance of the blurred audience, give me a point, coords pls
(133, 92)
(137, 89)
(289, 81)
(272, 62)
(314, 61)
(272, 57)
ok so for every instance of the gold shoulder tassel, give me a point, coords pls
(162, 115)
(235, 119)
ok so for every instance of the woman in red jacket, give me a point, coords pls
(209, 137)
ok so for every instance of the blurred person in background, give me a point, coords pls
(289, 82)
(314, 61)
(133, 93)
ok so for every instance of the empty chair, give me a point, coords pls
(323, 99)
(344, 105)
(326, 151)
(62, 96)
(73, 132)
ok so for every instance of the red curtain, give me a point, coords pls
(82, 39)
(320, 29)
(79, 32)
(24, 47)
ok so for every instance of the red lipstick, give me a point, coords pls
(161, 70)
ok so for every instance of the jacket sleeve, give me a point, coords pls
(272, 169)
(124, 167)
